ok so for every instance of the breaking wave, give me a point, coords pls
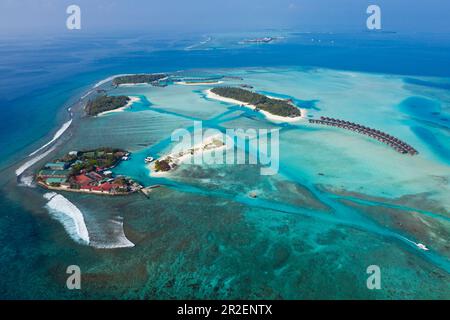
(26, 181)
(86, 94)
(58, 134)
(31, 162)
(69, 215)
(114, 237)
(98, 84)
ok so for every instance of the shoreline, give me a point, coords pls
(121, 109)
(188, 154)
(268, 115)
(43, 185)
(129, 85)
(156, 173)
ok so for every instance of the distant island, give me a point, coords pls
(139, 78)
(277, 107)
(87, 172)
(105, 103)
(260, 40)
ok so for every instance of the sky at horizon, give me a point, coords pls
(49, 16)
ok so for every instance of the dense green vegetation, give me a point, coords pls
(275, 106)
(162, 165)
(105, 103)
(138, 78)
(102, 157)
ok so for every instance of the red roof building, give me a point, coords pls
(94, 175)
(108, 186)
(82, 179)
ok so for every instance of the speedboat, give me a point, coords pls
(422, 247)
(148, 159)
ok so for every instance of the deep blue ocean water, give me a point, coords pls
(40, 78)
(69, 65)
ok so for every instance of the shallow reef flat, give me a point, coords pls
(339, 202)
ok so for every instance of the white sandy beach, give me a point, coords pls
(132, 100)
(209, 144)
(268, 115)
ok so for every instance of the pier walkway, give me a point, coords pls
(393, 142)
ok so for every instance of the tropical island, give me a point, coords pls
(105, 103)
(260, 40)
(87, 172)
(277, 107)
(139, 79)
(170, 162)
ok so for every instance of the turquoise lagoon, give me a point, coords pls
(340, 202)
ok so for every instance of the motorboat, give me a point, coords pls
(149, 159)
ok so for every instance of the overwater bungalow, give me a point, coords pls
(383, 137)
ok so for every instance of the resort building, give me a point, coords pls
(77, 174)
(57, 165)
(383, 137)
(53, 173)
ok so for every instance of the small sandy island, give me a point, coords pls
(166, 164)
(268, 115)
(132, 100)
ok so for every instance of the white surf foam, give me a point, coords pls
(98, 84)
(58, 134)
(116, 236)
(34, 160)
(85, 95)
(26, 181)
(49, 195)
(69, 215)
(201, 43)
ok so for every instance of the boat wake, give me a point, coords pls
(69, 215)
(420, 246)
